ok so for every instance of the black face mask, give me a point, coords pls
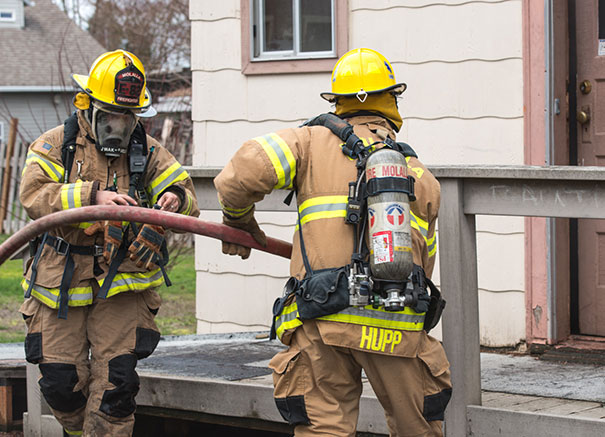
(112, 129)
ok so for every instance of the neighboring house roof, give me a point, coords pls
(173, 104)
(46, 51)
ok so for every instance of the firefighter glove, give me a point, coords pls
(113, 234)
(146, 249)
(246, 223)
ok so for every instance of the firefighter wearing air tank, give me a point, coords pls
(89, 287)
(363, 253)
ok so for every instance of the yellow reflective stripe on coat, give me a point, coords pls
(432, 244)
(323, 207)
(171, 175)
(406, 320)
(235, 212)
(54, 171)
(288, 319)
(134, 281)
(189, 207)
(423, 227)
(68, 432)
(78, 296)
(83, 225)
(281, 158)
(71, 195)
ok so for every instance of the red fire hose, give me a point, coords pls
(140, 215)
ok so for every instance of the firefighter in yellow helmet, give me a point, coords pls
(89, 288)
(335, 316)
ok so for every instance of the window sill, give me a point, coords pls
(289, 66)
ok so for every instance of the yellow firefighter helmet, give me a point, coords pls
(360, 72)
(118, 79)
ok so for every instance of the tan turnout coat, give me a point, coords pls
(310, 160)
(43, 191)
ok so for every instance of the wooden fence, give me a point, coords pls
(12, 160)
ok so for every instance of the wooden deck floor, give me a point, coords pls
(543, 405)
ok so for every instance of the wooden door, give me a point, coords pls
(590, 31)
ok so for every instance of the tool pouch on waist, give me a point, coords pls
(436, 306)
(324, 292)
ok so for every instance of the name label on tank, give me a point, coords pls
(386, 171)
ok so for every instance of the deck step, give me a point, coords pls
(505, 414)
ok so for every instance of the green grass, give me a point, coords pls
(176, 316)
(12, 328)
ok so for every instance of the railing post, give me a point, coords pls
(458, 274)
(38, 421)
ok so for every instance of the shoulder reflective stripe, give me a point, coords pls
(78, 296)
(288, 319)
(71, 195)
(172, 174)
(54, 171)
(406, 320)
(134, 281)
(281, 158)
(323, 207)
(72, 432)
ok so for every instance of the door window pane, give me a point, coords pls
(315, 25)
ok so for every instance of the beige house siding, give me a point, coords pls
(464, 105)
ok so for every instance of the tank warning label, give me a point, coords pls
(382, 247)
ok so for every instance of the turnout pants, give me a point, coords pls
(318, 386)
(87, 361)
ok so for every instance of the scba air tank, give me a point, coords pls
(389, 217)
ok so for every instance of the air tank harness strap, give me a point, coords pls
(138, 159)
(113, 267)
(68, 149)
(353, 146)
(65, 249)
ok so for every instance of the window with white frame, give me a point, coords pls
(292, 29)
(7, 15)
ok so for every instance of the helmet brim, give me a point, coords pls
(146, 110)
(396, 89)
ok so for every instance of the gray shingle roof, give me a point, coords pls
(47, 50)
